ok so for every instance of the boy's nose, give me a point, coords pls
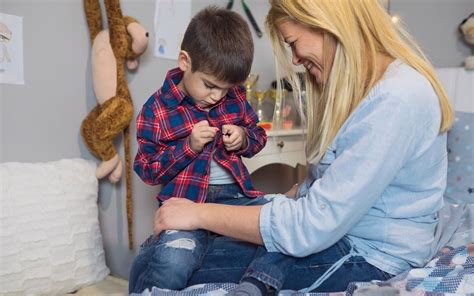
(213, 98)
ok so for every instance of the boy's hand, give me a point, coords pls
(234, 137)
(201, 134)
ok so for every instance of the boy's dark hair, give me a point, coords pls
(219, 43)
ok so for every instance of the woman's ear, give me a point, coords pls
(184, 61)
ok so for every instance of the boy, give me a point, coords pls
(192, 134)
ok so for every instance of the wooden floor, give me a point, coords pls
(110, 286)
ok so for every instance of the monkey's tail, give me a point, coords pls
(94, 17)
(128, 180)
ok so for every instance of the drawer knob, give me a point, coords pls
(281, 144)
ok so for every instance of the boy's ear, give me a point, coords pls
(184, 61)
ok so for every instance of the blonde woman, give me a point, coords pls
(376, 120)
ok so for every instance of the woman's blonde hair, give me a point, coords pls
(362, 30)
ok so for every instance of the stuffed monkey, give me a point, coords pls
(112, 50)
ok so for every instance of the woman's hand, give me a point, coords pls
(176, 213)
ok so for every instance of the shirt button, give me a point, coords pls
(322, 206)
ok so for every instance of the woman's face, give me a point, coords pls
(307, 48)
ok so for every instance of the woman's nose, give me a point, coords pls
(295, 59)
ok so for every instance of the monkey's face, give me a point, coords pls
(139, 39)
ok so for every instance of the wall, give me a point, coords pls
(434, 24)
(40, 120)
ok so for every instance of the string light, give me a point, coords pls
(395, 18)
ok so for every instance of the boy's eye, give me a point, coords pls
(208, 86)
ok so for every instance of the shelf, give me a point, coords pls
(288, 132)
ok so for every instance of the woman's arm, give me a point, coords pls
(240, 222)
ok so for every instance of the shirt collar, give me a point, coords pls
(170, 93)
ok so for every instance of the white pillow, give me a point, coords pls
(50, 241)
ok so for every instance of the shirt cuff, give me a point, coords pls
(184, 151)
(246, 149)
(265, 227)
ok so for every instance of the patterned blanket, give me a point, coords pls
(450, 272)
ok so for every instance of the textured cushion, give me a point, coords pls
(460, 185)
(50, 241)
(459, 85)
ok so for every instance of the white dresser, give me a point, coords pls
(283, 146)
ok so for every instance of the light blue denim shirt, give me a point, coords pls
(380, 183)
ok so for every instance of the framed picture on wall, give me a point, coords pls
(171, 20)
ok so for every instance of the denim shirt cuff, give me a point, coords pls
(265, 227)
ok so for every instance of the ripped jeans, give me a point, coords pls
(169, 260)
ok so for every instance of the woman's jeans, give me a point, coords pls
(169, 260)
(177, 259)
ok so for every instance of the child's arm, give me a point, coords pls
(157, 162)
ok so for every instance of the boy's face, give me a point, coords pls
(203, 88)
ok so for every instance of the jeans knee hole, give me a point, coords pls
(182, 243)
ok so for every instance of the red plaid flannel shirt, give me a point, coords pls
(164, 155)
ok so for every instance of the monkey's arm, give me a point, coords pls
(94, 17)
(117, 29)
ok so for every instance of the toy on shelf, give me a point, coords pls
(266, 125)
(259, 96)
(275, 110)
(285, 115)
(249, 83)
(287, 122)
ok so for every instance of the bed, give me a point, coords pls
(450, 272)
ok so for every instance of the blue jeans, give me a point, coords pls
(227, 260)
(217, 259)
(169, 260)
